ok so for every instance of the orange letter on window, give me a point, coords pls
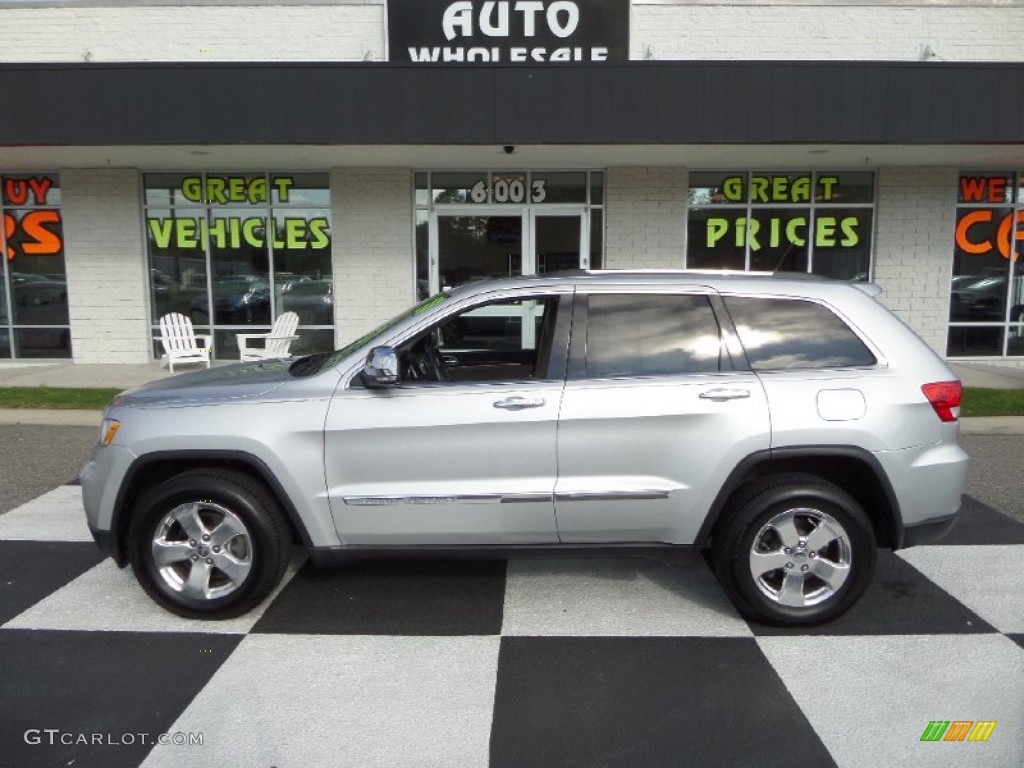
(8, 234)
(44, 242)
(1005, 239)
(968, 221)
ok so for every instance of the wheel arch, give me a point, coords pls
(851, 468)
(153, 468)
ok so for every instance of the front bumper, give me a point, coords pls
(101, 478)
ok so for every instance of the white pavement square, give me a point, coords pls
(57, 515)
(343, 700)
(616, 597)
(108, 598)
(989, 580)
(871, 698)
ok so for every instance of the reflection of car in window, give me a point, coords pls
(39, 299)
(237, 300)
(979, 298)
(311, 300)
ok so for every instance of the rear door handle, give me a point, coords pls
(519, 403)
(720, 395)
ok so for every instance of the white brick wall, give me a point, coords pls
(373, 251)
(828, 31)
(645, 211)
(106, 266)
(916, 211)
(342, 32)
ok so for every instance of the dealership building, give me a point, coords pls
(232, 161)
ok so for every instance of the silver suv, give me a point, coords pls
(786, 426)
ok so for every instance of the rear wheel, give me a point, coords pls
(208, 544)
(794, 550)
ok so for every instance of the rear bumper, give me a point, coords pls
(928, 531)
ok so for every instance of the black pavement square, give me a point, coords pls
(644, 701)
(122, 689)
(980, 524)
(392, 597)
(1018, 639)
(899, 601)
(31, 570)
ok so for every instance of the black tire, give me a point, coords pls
(244, 554)
(778, 521)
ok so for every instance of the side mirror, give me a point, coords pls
(381, 369)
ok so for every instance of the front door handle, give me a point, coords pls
(519, 403)
(720, 395)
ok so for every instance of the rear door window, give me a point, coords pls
(785, 334)
(651, 335)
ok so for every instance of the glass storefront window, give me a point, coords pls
(986, 299)
(820, 222)
(34, 318)
(233, 251)
(453, 187)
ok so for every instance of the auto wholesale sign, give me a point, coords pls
(508, 31)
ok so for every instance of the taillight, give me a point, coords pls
(944, 397)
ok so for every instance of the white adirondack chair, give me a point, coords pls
(181, 344)
(275, 344)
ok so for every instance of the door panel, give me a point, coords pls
(656, 414)
(469, 455)
(640, 460)
(444, 464)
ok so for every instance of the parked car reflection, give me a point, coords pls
(311, 300)
(981, 297)
(236, 300)
(39, 299)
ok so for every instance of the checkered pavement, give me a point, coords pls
(561, 662)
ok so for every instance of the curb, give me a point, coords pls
(51, 417)
(992, 425)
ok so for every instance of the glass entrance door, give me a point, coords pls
(474, 244)
(556, 238)
(477, 243)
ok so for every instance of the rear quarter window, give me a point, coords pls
(785, 334)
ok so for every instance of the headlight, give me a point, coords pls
(108, 429)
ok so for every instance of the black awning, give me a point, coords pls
(670, 102)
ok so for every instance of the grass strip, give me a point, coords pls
(62, 398)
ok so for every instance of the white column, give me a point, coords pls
(645, 210)
(373, 258)
(916, 212)
(106, 265)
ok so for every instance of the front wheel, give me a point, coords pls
(795, 550)
(208, 544)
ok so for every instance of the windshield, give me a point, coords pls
(313, 364)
